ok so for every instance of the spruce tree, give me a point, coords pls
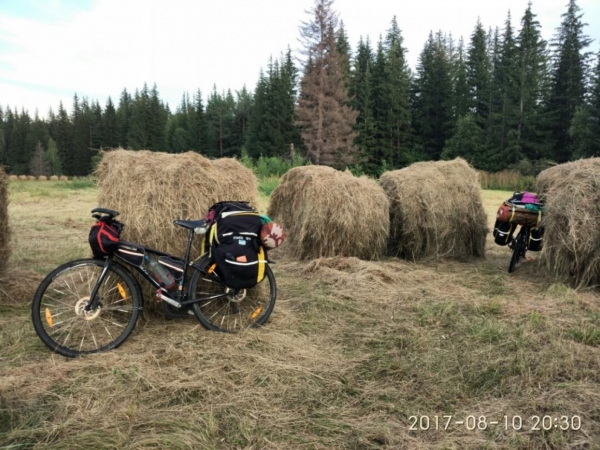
(531, 72)
(53, 158)
(37, 136)
(584, 131)
(504, 114)
(398, 78)
(432, 106)
(461, 98)
(64, 140)
(124, 112)
(569, 65)
(138, 136)
(478, 75)
(324, 114)
(110, 137)
(156, 121)
(381, 101)
(197, 125)
(362, 102)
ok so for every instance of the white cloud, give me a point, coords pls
(185, 45)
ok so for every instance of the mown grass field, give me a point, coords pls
(353, 351)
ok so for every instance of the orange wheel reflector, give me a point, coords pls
(212, 268)
(256, 312)
(49, 317)
(122, 291)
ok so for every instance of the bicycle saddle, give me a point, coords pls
(191, 224)
(96, 213)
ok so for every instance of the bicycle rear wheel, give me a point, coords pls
(58, 308)
(250, 308)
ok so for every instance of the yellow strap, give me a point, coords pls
(261, 265)
(213, 234)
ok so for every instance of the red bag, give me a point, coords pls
(519, 215)
(103, 239)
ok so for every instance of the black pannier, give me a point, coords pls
(535, 239)
(503, 232)
(235, 245)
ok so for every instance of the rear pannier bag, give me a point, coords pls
(235, 245)
(535, 239)
(503, 232)
(104, 238)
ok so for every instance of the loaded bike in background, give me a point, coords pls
(92, 305)
(523, 209)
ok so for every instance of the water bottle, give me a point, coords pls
(161, 274)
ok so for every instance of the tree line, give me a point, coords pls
(505, 99)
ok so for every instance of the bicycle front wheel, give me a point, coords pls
(517, 250)
(59, 315)
(249, 308)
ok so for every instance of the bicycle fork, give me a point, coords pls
(94, 299)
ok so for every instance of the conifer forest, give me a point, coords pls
(502, 98)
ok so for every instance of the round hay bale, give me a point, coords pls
(571, 193)
(4, 227)
(53, 178)
(328, 213)
(42, 178)
(23, 177)
(30, 178)
(436, 211)
(152, 189)
(63, 178)
(13, 177)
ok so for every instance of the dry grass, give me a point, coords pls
(435, 211)
(326, 212)
(352, 350)
(152, 189)
(571, 193)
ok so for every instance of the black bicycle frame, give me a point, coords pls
(180, 299)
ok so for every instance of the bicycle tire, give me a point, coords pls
(514, 259)
(251, 308)
(66, 291)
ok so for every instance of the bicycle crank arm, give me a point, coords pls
(169, 300)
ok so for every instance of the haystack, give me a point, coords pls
(42, 178)
(23, 177)
(13, 177)
(4, 228)
(53, 178)
(64, 178)
(152, 189)
(436, 211)
(571, 193)
(330, 213)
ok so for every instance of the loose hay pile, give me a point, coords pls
(330, 213)
(436, 211)
(571, 193)
(152, 189)
(4, 228)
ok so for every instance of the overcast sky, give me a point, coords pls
(51, 49)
